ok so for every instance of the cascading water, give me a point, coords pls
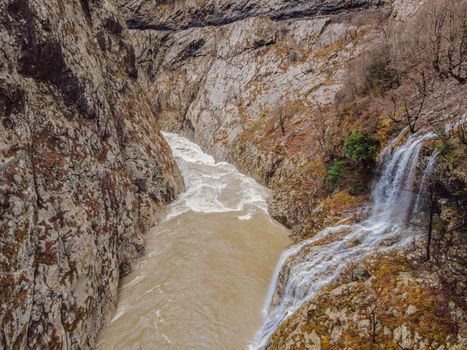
(421, 197)
(386, 228)
(393, 194)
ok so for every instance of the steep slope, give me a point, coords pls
(84, 171)
(262, 92)
(383, 302)
(294, 93)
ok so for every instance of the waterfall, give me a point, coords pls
(316, 265)
(430, 168)
(393, 194)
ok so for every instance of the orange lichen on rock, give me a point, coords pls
(380, 303)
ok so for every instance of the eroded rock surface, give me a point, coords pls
(84, 171)
(228, 86)
(267, 85)
(379, 303)
(182, 14)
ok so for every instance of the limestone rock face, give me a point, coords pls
(389, 307)
(267, 86)
(84, 170)
(182, 14)
(222, 73)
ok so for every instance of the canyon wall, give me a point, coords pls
(84, 170)
(184, 14)
(258, 85)
(277, 88)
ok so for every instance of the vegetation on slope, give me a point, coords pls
(412, 79)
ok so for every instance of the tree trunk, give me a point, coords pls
(430, 225)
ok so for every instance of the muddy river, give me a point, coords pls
(203, 281)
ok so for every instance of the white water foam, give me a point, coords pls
(426, 179)
(212, 187)
(387, 228)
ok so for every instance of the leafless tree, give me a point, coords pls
(412, 109)
(461, 132)
(431, 213)
(445, 27)
(283, 112)
(374, 322)
(372, 312)
(329, 132)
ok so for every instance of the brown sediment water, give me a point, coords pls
(203, 281)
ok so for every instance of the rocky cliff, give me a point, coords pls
(183, 14)
(84, 171)
(281, 88)
(257, 85)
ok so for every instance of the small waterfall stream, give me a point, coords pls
(387, 227)
(421, 197)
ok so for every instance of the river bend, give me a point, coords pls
(204, 279)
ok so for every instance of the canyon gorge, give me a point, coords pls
(308, 191)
